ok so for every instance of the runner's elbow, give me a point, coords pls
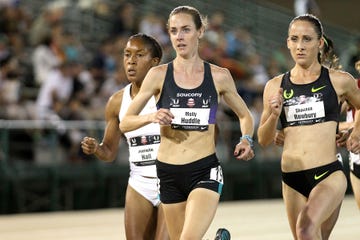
(123, 127)
(264, 141)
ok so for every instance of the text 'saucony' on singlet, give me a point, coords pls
(306, 104)
(194, 109)
(143, 142)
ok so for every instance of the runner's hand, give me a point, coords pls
(163, 116)
(243, 151)
(89, 145)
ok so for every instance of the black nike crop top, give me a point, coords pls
(194, 109)
(306, 104)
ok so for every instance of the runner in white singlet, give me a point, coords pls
(143, 211)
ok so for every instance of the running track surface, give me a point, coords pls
(250, 220)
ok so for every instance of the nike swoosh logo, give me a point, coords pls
(317, 89)
(321, 175)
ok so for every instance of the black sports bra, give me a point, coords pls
(306, 104)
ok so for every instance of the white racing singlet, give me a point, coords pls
(143, 142)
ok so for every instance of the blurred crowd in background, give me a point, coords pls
(48, 73)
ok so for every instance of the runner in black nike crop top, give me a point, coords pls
(307, 99)
(311, 103)
(194, 109)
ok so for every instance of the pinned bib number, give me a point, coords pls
(216, 174)
(190, 119)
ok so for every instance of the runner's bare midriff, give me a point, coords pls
(305, 150)
(189, 145)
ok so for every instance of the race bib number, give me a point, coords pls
(143, 150)
(190, 119)
(216, 174)
(305, 113)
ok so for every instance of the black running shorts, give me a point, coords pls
(177, 181)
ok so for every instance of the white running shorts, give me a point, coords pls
(146, 187)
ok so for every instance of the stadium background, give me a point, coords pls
(36, 174)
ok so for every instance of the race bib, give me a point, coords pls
(312, 112)
(190, 119)
(143, 149)
(216, 174)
